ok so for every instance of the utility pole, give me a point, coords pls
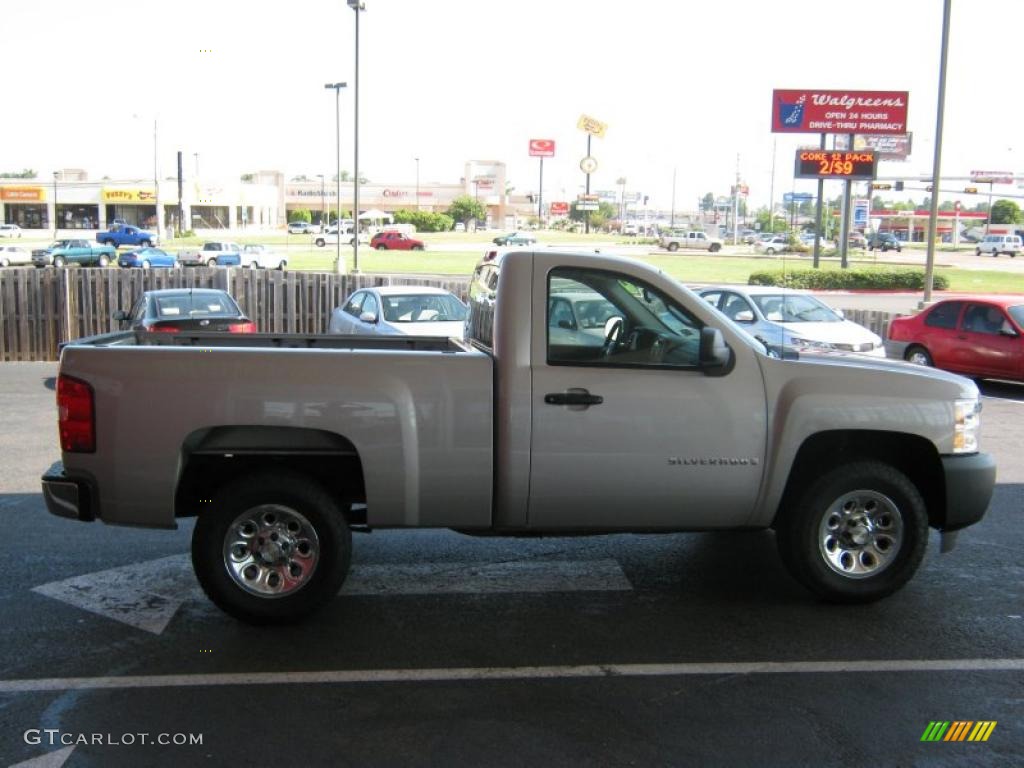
(929, 272)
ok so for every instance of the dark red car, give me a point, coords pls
(976, 336)
(395, 241)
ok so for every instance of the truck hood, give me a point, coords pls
(891, 376)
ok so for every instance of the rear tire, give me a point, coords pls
(146, 264)
(673, 247)
(715, 248)
(320, 242)
(5, 262)
(211, 263)
(282, 265)
(382, 247)
(147, 243)
(103, 260)
(918, 355)
(272, 547)
(856, 534)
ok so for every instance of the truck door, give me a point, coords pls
(627, 430)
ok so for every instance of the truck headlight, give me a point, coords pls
(966, 424)
(810, 343)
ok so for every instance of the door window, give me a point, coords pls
(985, 318)
(354, 303)
(620, 321)
(944, 315)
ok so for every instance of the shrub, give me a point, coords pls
(846, 279)
(300, 214)
(424, 221)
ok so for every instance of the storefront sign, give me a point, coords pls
(22, 194)
(992, 177)
(128, 196)
(542, 148)
(559, 209)
(889, 147)
(810, 111)
(592, 126)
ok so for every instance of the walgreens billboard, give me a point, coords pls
(811, 111)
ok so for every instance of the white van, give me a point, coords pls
(996, 244)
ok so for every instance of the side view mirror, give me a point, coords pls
(565, 324)
(715, 355)
(119, 316)
(746, 316)
(840, 313)
(368, 317)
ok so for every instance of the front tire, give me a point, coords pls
(382, 247)
(58, 261)
(211, 263)
(103, 260)
(147, 243)
(146, 264)
(272, 547)
(856, 534)
(320, 242)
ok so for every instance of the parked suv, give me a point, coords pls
(996, 244)
(884, 241)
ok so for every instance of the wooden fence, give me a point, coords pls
(41, 308)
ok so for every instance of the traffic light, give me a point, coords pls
(646, 198)
(928, 188)
(899, 186)
(971, 190)
(880, 185)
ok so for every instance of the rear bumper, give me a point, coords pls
(896, 349)
(68, 497)
(970, 481)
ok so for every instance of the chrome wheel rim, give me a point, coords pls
(918, 358)
(860, 534)
(271, 551)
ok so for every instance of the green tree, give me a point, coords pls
(708, 201)
(605, 211)
(300, 214)
(465, 208)
(1006, 212)
(248, 177)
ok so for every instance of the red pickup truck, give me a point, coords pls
(395, 241)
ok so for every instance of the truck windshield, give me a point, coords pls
(423, 308)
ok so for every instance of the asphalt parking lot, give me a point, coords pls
(449, 650)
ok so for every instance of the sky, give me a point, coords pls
(684, 87)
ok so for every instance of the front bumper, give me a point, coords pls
(970, 480)
(68, 497)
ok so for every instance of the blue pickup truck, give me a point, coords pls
(125, 234)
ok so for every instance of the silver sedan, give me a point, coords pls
(405, 310)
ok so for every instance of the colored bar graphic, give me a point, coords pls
(958, 730)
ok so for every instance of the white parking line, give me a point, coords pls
(336, 677)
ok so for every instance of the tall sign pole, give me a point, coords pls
(541, 148)
(588, 164)
(929, 269)
(817, 215)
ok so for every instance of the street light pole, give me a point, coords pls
(357, 6)
(156, 186)
(337, 138)
(55, 174)
(417, 182)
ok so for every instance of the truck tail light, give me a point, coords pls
(248, 327)
(75, 415)
(165, 329)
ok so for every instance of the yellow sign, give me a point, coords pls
(128, 196)
(22, 194)
(592, 126)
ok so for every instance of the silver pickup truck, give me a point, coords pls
(641, 409)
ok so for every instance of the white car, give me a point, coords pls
(792, 319)
(10, 230)
(400, 310)
(302, 228)
(14, 255)
(331, 238)
(260, 257)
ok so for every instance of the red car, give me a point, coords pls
(395, 241)
(976, 336)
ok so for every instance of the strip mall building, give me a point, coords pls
(264, 201)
